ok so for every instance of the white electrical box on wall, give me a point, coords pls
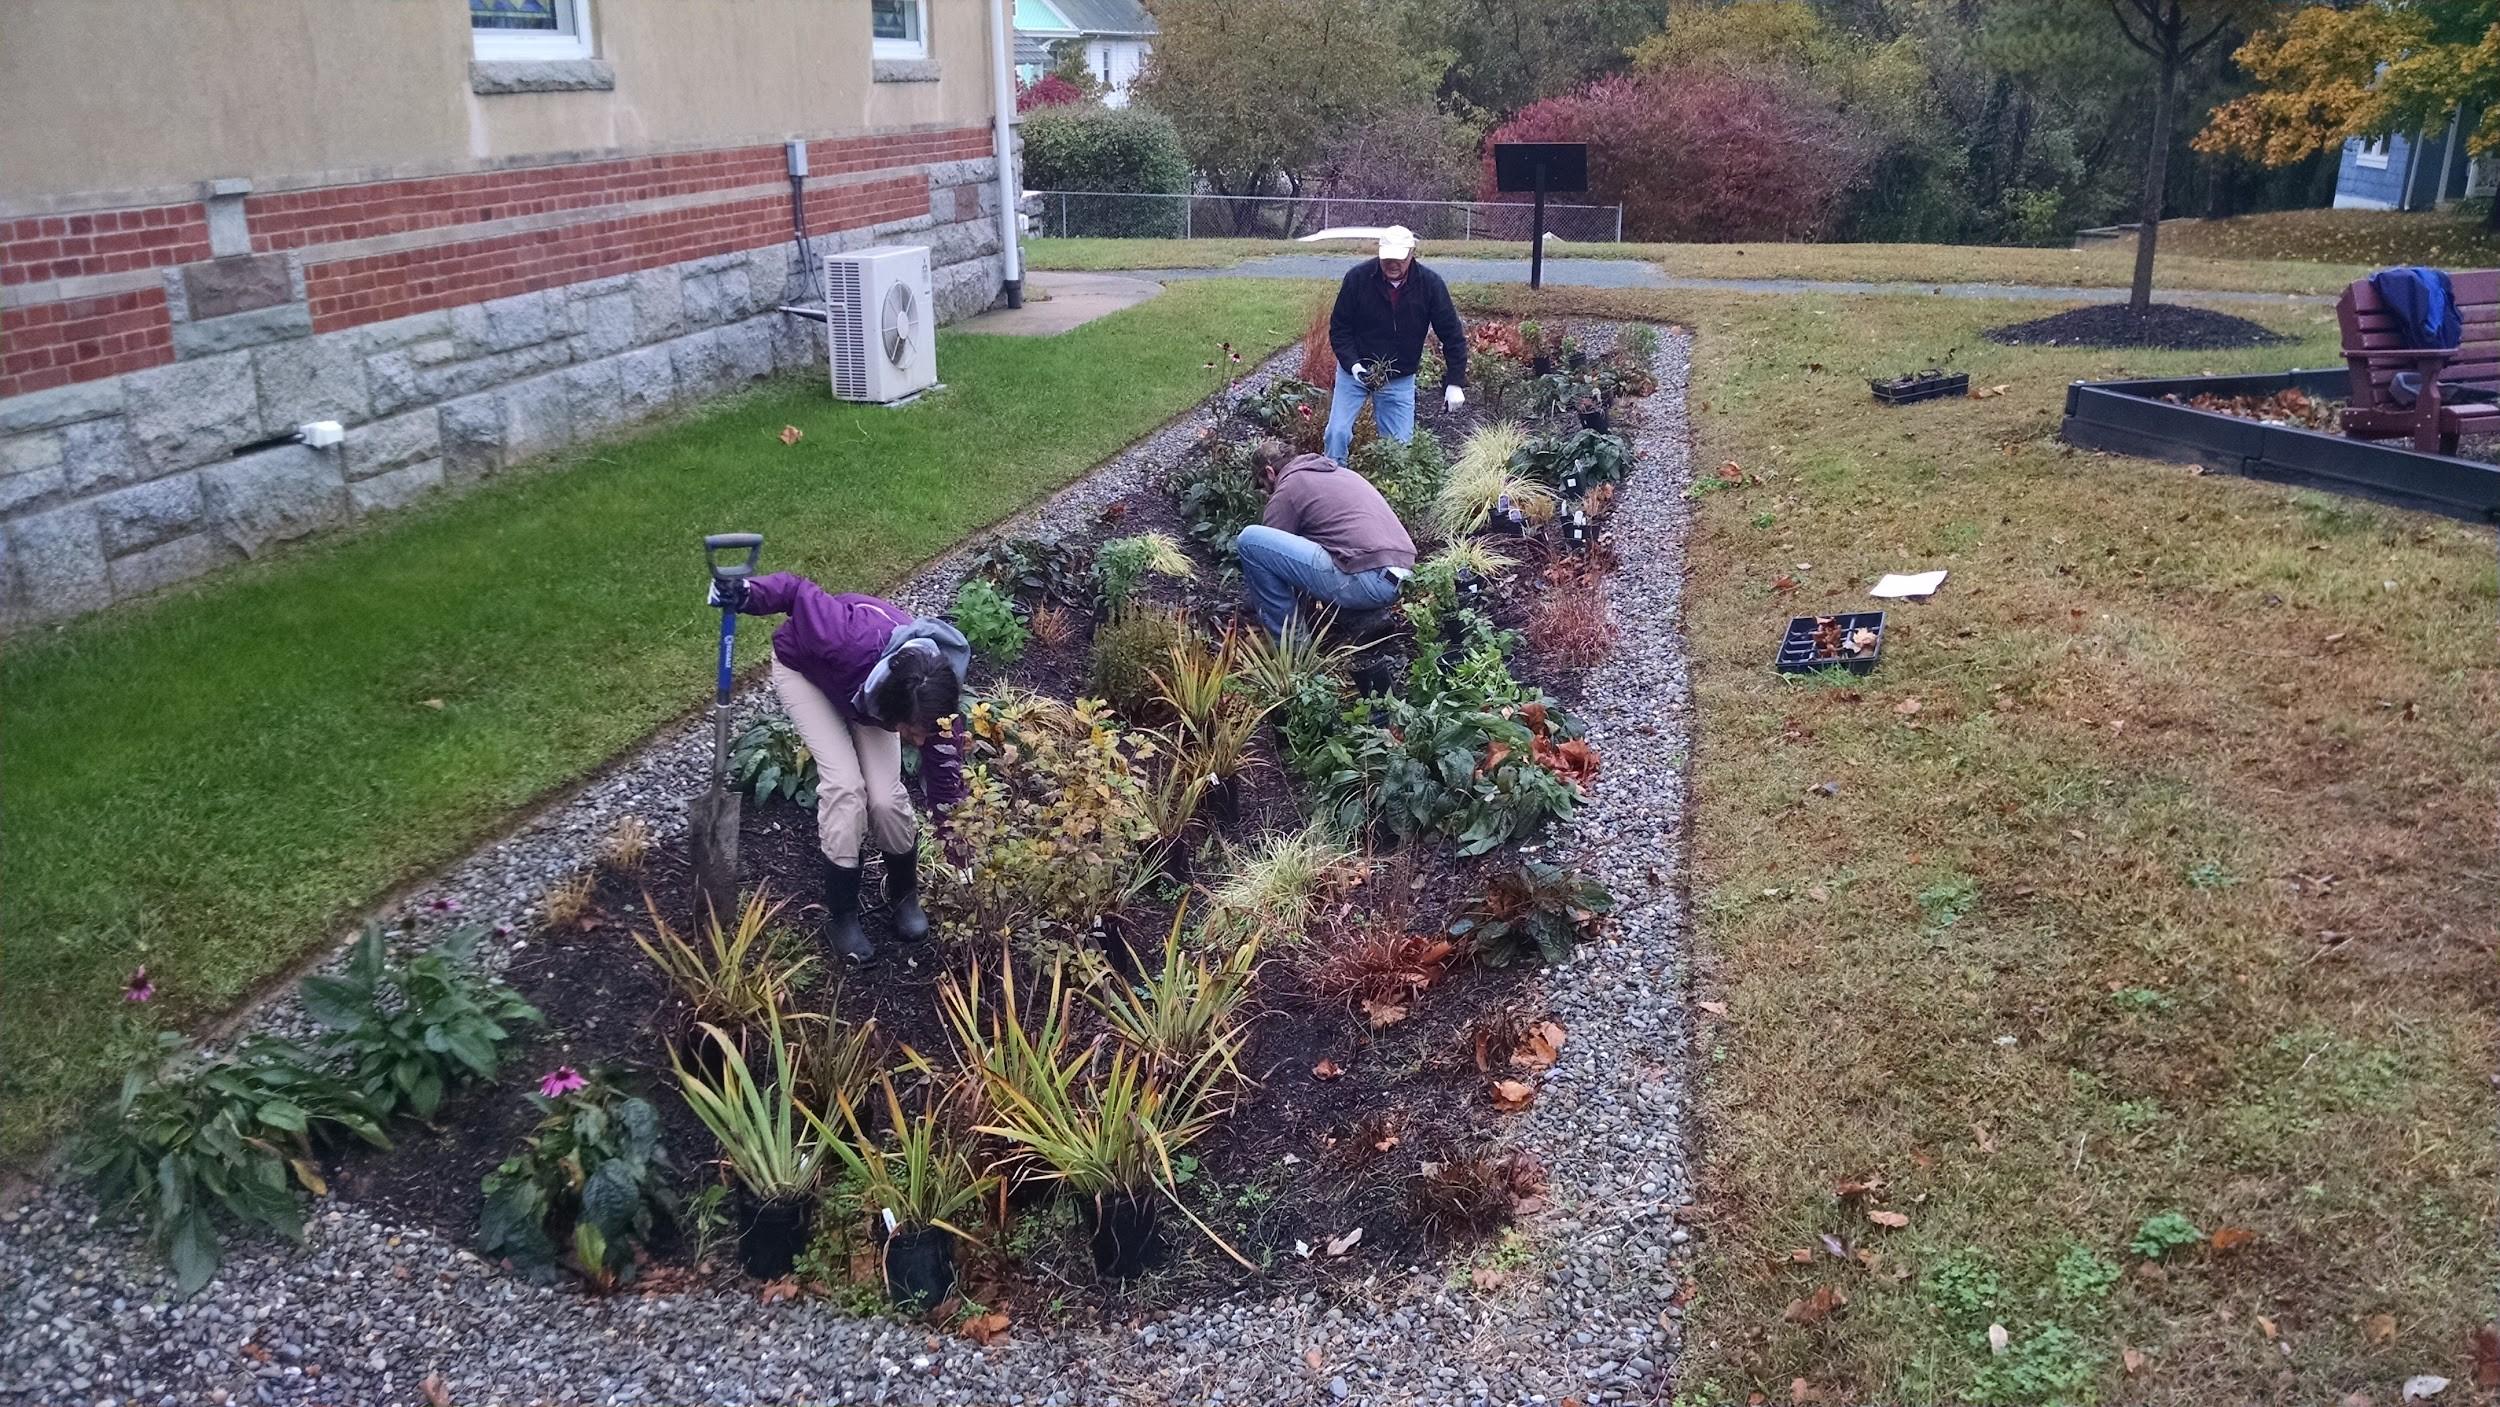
(881, 323)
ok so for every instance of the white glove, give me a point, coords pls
(1453, 397)
(1362, 373)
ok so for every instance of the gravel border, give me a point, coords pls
(366, 1310)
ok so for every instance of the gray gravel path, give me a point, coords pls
(367, 1310)
(1634, 273)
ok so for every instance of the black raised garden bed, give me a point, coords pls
(2131, 417)
(1920, 386)
(1802, 652)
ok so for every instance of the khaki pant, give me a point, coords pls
(859, 774)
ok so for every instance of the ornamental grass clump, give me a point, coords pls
(773, 1144)
(1129, 648)
(913, 1184)
(1483, 482)
(1272, 884)
(1185, 1008)
(736, 976)
(1121, 564)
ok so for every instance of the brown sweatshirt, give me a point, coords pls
(1341, 511)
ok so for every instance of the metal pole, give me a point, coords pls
(1536, 234)
(1189, 222)
(1471, 222)
(1618, 224)
(1003, 138)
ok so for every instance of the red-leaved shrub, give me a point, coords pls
(1699, 156)
(1050, 90)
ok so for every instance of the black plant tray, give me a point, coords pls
(1924, 386)
(1797, 646)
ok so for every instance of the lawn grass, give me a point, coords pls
(2364, 239)
(2248, 270)
(212, 783)
(2150, 873)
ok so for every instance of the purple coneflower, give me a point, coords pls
(139, 988)
(561, 1081)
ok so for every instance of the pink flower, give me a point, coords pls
(447, 906)
(503, 930)
(561, 1081)
(1303, 411)
(139, 988)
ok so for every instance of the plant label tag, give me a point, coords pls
(1904, 586)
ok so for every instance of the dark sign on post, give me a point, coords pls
(1520, 167)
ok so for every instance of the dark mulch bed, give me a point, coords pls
(1303, 1160)
(2165, 325)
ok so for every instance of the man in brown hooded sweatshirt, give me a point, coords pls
(1327, 535)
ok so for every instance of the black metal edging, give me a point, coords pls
(2130, 417)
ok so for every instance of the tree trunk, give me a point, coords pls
(2156, 179)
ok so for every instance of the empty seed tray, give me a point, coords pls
(1924, 386)
(1832, 642)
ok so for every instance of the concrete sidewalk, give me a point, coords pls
(1633, 273)
(1057, 301)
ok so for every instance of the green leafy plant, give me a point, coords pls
(988, 620)
(2163, 1233)
(1408, 475)
(1284, 407)
(409, 1032)
(1123, 562)
(1031, 569)
(1640, 343)
(922, 1178)
(593, 1162)
(1219, 496)
(1537, 911)
(1624, 374)
(1129, 649)
(1575, 462)
(769, 763)
(191, 1146)
(773, 1143)
(1482, 480)
(739, 977)
(1052, 815)
(1184, 1010)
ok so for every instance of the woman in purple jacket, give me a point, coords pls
(860, 677)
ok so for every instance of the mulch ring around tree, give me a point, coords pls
(2168, 326)
(1351, 1109)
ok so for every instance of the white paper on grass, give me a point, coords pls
(1904, 585)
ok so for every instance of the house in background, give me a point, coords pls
(471, 232)
(1116, 36)
(2421, 171)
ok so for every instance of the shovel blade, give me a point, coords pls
(714, 848)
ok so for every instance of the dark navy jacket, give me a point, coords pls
(1366, 326)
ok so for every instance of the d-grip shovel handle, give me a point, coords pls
(718, 543)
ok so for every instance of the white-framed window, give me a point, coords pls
(2373, 154)
(530, 29)
(900, 28)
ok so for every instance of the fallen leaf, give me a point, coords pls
(1538, 1051)
(2268, 1328)
(1384, 1143)
(1784, 583)
(257, 1353)
(2357, 1399)
(310, 1176)
(2231, 1238)
(1730, 473)
(1999, 1340)
(2487, 1357)
(774, 1292)
(1339, 1245)
(1856, 1187)
(1815, 1308)
(1302, 1251)
(1511, 1096)
(1714, 1008)
(1988, 393)
(1906, 707)
(792, 434)
(1311, 1357)
(1327, 1070)
(436, 1393)
(1382, 1014)
(2132, 1359)
(1895, 1220)
(987, 1329)
(1801, 1256)
(1484, 1051)
(1872, 1260)
(1838, 1248)
(2379, 1328)
(1979, 1132)
(2422, 1387)
(1486, 1279)
(1799, 1390)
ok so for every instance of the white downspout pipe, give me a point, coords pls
(1003, 119)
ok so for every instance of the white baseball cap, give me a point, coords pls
(1397, 242)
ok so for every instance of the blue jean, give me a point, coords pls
(1393, 410)
(1279, 568)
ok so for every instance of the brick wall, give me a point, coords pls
(456, 324)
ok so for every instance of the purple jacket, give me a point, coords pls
(836, 642)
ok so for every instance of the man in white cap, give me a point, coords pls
(1377, 331)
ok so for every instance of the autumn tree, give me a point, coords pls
(2329, 75)
(2172, 33)
(1506, 54)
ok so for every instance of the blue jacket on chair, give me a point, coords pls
(2423, 302)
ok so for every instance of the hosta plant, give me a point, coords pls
(1576, 462)
(594, 1161)
(408, 1032)
(190, 1147)
(1536, 912)
(769, 763)
(988, 620)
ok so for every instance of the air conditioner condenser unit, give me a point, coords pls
(880, 323)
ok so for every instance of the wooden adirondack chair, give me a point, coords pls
(2374, 350)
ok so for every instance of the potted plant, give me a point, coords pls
(911, 1190)
(773, 1144)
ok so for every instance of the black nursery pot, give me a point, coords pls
(1223, 802)
(1111, 935)
(1121, 1231)
(771, 1234)
(1595, 420)
(919, 1267)
(1541, 364)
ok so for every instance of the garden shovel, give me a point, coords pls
(714, 842)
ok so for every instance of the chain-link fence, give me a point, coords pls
(1134, 215)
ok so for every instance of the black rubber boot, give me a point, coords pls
(842, 929)
(902, 896)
